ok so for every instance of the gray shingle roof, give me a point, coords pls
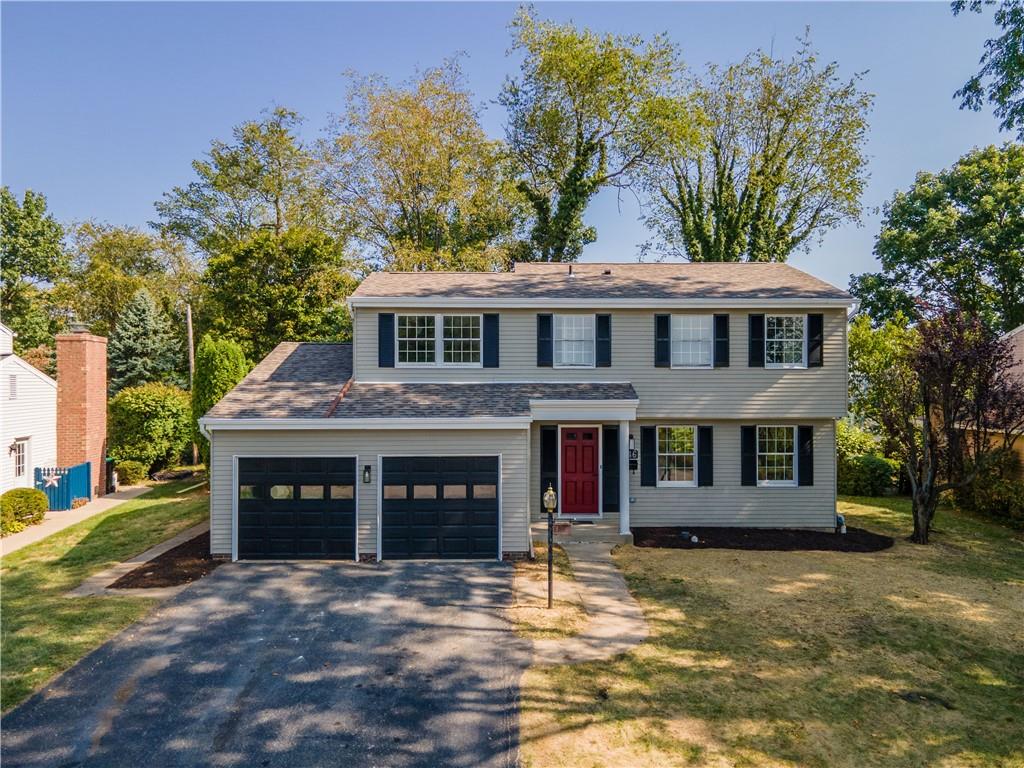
(608, 281)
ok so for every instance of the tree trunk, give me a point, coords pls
(923, 504)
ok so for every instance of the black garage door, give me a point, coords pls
(441, 506)
(296, 508)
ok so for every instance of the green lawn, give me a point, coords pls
(41, 631)
(909, 657)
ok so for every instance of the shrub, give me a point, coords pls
(997, 492)
(852, 440)
(151, 424)
(220, 364)
(130, 472)
(867, 475)
(20, 508)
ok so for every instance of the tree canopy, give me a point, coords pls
(142, 347)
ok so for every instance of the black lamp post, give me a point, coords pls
(550, 502)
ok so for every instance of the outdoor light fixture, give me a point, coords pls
(632, 443)
(550, 500)
(366, 473)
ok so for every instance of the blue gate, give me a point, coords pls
(62, 485)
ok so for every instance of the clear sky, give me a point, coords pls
(105, 105)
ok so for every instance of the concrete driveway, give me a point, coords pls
(304, 664)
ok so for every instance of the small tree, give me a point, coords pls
(945, 392)
(151, 424)
(142, 347)
(220, 364)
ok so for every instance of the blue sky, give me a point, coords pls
(105, 105)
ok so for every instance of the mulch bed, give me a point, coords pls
(184, 564)
(763, 539)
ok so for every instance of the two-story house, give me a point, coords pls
(644, 394)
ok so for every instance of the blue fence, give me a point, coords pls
(62, 485)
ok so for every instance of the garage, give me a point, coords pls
(439, 507)
(297, 507)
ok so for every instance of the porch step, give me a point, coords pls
(592, 533)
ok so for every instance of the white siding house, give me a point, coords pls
(28, 418)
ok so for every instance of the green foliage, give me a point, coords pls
(997, 492)
(151, 424)
(852, 440)
(880, 364)
(954, 235)
(130, 472)
(779, 162)
(422, 184)
(143, 347)
(220, 365)
(866, 475)
(585, 113)
(1000, 81)
(20, 508)
(272, 288)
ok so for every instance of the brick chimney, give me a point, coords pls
(82, 403)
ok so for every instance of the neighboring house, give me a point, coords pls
(644, 394)
(28, 417)
(1016, 340)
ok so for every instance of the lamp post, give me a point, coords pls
(550, 502)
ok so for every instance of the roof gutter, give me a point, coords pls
(207, 425)
(446, 302)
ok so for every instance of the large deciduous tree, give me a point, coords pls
(957, 234)
(1000, 81)
(586, 111)
(946, 392)
(271, 288)
(412, 170)
(143, 347)
(779, 162)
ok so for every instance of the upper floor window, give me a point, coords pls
(776, 459)
(438, 340)
(677, 449)
(574, 341)
(692, 341)
(785, 341)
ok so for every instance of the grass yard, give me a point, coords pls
(42, 632)
(913, 656)
(530, 615)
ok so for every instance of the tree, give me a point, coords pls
(415, 173)
(264, 179)
(779, 162)
(220, 365)
(1000, 81)
(945, 392)
(585, 113)
(957, 234)
(143, 347)
(32, 257)
(272, 288)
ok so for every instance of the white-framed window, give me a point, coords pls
(692, 341)
(785, 341)
(20, 457)
(776, 455)
(677, 456)
(574, 341)
(439, 340)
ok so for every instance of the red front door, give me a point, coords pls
(579, 470)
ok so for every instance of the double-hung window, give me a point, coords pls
(692, 341)
(785, 341)
(20, 454)
(431, 340)
(677, 456)
(574, 341)
(776, 456)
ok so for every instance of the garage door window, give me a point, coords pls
(485, 491)
(311, 491)
(395, 492)
(342, 492)
(424, 491)
(455, 491)
(281, 492)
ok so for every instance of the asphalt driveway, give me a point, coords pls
(305, 664)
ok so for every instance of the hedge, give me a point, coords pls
(867, 475)
(151, 424)
(20, 508)
(997, 492)
(130, 472)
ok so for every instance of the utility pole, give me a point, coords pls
(191, 369)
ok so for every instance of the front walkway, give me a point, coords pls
(58, 521)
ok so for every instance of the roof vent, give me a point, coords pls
(606, 272)
(570, 271)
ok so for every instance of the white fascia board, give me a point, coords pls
(501, 422)
(441, 302)
(580, 410)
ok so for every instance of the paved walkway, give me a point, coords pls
(58, 521)
(616, 622)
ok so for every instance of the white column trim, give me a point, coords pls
(624, 478)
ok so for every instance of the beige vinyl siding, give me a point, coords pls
(727, 502)
(512, 445)
(734, 392)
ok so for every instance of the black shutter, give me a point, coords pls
(548, 460)
(545, 341)
(604, 341)
(805, 458)
(755, 341)
(648, 455)
(490, 339)
(721, 341)
(705, 456)
(748, 455)
(662, 341)
(610, 468)
(815, 339)
(386, 340)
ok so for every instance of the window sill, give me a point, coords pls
(786, 366)
(676, 484)
(708, 367)
(777, 484)
(438, 365)
(565, 365)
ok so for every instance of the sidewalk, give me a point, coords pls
(58, 521)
